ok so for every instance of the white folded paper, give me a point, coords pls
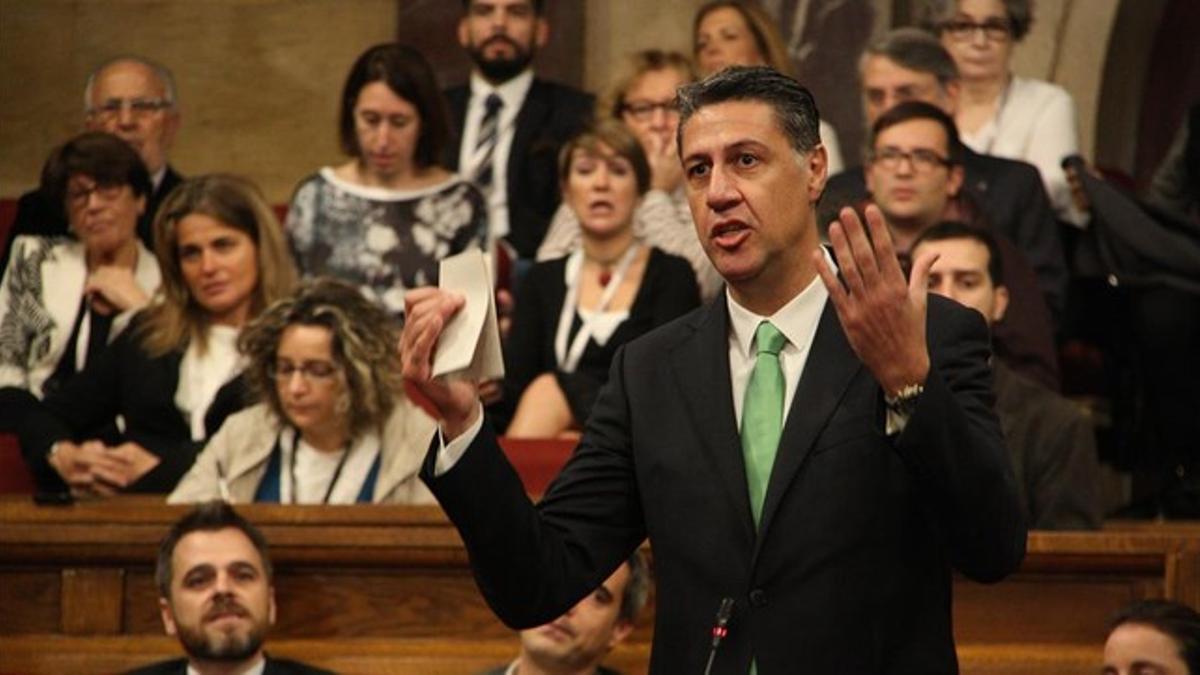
(469, 347)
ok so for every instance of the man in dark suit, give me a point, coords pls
(576, 642)
(216, 594)
(132, 98)
(909, 64)
(509, 125)
(869, 462)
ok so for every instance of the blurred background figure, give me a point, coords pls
(1000, 113)
(63, 299)
(1153, 637)
(167, 382)
(385, 219)
(1050, 441)
(577, 642)
(739, 33)
(134, 99)
(642, 96)
(508, 124)
(574, 312)
(333, 425)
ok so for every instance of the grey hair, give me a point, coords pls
(793, 104)
(932, 13)
(913, 49)
(637, 589)
(161, 72)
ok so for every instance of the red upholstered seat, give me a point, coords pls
(14, 476)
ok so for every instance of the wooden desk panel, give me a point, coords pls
(400, 573)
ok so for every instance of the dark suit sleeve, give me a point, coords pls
(1036, 234)
(954, 446)
(675, 290)
(534, 563)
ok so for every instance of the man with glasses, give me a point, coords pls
(507, 124)
(915, 175)
(909, 64)
(134, 99)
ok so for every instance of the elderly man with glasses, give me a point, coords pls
(132, 98)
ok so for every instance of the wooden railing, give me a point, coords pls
(388, 588)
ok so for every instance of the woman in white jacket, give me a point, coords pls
(333, 425)
(63, 299)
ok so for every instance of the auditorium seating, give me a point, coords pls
(388, 589)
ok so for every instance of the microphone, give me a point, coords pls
(719, 630)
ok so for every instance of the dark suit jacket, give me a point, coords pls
(124, 381)
(1011, 197)
(850, 571)
(273, 667)
(38, 213)
(551, 115)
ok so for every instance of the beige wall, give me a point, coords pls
(258, 79)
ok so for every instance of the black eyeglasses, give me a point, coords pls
(78, 197)
(996, 30)
(921, 160)
(642, 110)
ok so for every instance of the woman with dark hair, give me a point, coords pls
(386, 218)
(741, 33)
(332, 425)
(63, 300)
(574, 312)
(1153, 636)
(166, 384)
(1000, 113)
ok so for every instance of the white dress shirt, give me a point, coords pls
(797, 320)
(513, 94)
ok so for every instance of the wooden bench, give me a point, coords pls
(367, 581)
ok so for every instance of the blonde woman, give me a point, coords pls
(135, 418)
(332, 425)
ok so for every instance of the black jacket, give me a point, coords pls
(551, 115)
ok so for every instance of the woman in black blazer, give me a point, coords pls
(166, 384)
(572, 313)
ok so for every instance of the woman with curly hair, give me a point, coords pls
(333, 425)
(385, 219)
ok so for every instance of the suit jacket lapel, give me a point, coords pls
(701, 365)
(456, 105)
(828, 371)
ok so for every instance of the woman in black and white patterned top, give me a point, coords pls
(385, 219)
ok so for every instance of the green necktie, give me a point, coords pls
(762, 414)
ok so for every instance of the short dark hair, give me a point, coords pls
(207, 517)
(619, 139)
(933, 13)
(955, 229)
(99, 155)
(794, 106)
(539, 6)
(406, 72)
(919, 110)
(914, 49)
(637, 589)
(1175, 620)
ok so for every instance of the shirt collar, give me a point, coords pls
(511, 92)
(797, 319)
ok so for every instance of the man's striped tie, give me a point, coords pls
(485, 145)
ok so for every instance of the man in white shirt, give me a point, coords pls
(800, 510)
(507, 124)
